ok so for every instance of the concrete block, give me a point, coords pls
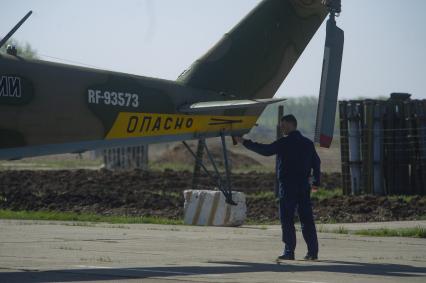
(208, 208)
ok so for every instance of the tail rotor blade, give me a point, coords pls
(333, 55)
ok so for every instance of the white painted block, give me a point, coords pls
(208, 208)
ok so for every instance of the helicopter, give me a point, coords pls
(51, 108)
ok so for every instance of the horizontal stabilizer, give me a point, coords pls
(229, 104)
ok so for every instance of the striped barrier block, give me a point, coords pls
(208, 208)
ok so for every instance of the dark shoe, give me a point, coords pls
(310, 257)
(286, 257)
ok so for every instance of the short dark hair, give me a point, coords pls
(290, 119)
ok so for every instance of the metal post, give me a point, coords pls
(127, 158)
(216, 170)
(389, 149)
(404, 151)
(198, 161)
(344, 148)
(401, 148)
(195, 156)
(367, 152)
(421, 130)
(354, 147)
(378, 149)
(225, 160)
(413, 143)
(418, 143)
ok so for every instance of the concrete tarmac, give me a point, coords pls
(39, 251)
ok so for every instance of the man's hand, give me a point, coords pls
(239, 139)
(314, 189)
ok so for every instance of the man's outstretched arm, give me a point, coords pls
(262, 149)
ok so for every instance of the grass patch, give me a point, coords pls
(403, 198)
(341, 230)
(268, 195)
(416, 232)
(261, 222)
(178, 166)
(253, 168)
(85, 217)
(50, 164)
(322, 193)
(162, 166)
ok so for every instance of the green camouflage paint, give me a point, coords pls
(253, 59)
(80, 107)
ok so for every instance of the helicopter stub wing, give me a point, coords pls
(225, 105)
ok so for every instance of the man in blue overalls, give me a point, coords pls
(297, 158)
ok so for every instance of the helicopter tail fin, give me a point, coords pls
(254, 58)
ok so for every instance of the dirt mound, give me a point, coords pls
(179, 154)
(105, 192)
(370, 208)
(140, 193)
(347, 209)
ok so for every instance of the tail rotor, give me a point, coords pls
(330, 79)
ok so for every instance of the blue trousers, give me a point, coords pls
(291, 199)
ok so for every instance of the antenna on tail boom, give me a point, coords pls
(15, 28)
(330, 79)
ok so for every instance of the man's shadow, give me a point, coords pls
(228, 267)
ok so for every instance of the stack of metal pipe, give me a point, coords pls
(383, 146)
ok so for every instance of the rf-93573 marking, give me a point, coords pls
(113, 98)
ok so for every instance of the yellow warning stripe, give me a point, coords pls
(132, 125)
(213, 210)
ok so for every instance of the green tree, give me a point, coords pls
(24, 49)
(304, 108)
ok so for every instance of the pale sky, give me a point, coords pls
(385, 47)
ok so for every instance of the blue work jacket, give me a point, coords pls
(297, 160)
